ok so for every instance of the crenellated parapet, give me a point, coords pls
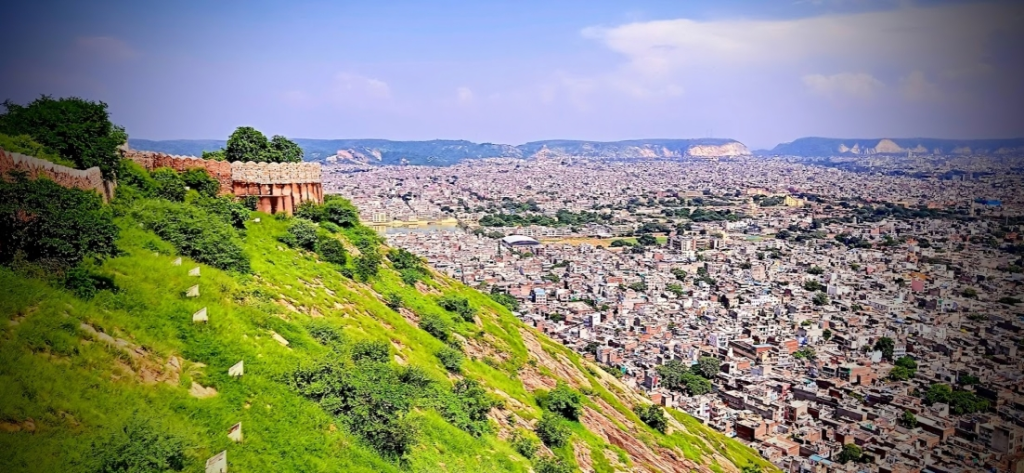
(88, 179)
(150, 160)
(275, 173)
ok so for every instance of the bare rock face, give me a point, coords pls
(887, 146)
(712, 151)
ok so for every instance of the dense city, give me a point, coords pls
(834, 318)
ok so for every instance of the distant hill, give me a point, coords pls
(446, 152)
(881, 146)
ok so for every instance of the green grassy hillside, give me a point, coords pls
(90, 385)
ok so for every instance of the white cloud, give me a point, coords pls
(105, 47)
(464, 95)
(916, 87)
(853, 85)
(938, 39)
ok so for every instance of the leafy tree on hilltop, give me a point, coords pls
(653, 416)
(249, 144)
(851, 453)
(886, 345)
(707, 367)
(565, 401)
(78, 130)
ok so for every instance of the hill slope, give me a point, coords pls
(875, 146)
(446, 152)
(83, 380)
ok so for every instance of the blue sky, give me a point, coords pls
(514, 71)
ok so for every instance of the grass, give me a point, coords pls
(81, 389)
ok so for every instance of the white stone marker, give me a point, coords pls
(235, 432)
(177, 262)
(200, 316)
(194, 271)
(218, 463)
(193, 291)
(279, 338)
(237, 370)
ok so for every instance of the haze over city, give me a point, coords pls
(758, 72)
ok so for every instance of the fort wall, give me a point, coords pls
(279, 187)
(88, 179)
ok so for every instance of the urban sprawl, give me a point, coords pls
(835, 319)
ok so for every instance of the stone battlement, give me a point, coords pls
(89, 179)
(279, 186)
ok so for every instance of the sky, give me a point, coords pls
(761, 72)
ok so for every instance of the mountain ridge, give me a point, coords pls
(820, 146)
(447, 152)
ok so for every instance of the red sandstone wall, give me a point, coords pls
(279, 186)
(150, 160)
(89, 179)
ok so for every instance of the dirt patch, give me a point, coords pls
(425, 289)
(199, 391)
(561, 366)
(139, 362)
(582, 453)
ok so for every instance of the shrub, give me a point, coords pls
(138, 446)
(310, 210)
(325, 333)
(84, 284)
(564, 401)
(371, 350)
(367, 264)
(466, 407)
(550, 464)
(458, 305)
(194, 233)
(301, 234)
(526, 446)
(552, 430)
(653, 416)
(435, 326)
(393, 300)
(506, 300)
(341, 212)
(169, 185)
(130, 174)
(330, 227)
(231, 212)
(410, 276)
(200, 181)
(330, 249)
(374, 400)
(451, 359)
(40, 221)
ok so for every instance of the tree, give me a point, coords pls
(647, 240)
(826, 335)
(812, 286)
(653, 416)
(450, 358)
(886, 345)
(820, 299)
(815, 270)
(707, 367)
(907, 362)
(76, 129)
(199, 180)
(169, 185)
(550, 464)
(330, 249)
(970, 293)
(676, 289)
(247, 144)
(301, 234)
(751, 468)
(284, 150)
(341, 212)
(564, 401)
(908, 420)
(850, 453)
(899, 373)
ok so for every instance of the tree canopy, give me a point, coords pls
(76, 129)
(249, 144)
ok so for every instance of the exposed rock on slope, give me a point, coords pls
(892, 146)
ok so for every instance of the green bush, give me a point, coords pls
(435, 326)
(653, 416)
(138, 447)
(131, 174)
(194, 232)
(550, 464)
(458, 305)
(451, 359)
(526, 446)
(564, 401)
(169, 185)
(553, 430)
(325, 333)
(377, 351)
(340, 212)
(393, 300)
(330, 227)
(302, 234)
(42, 222)
(466, 407)
(231, 212)
(84, 284)
(367, 264)
(506, 300)
(330, 249)
(200, 181)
